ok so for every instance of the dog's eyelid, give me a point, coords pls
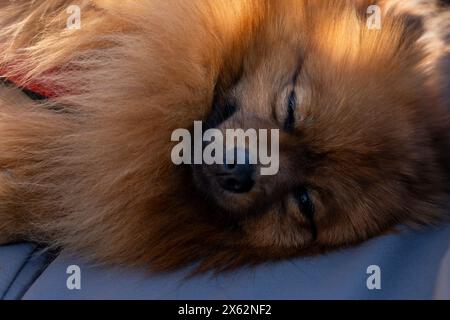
(292, 100)
(291, 106)
(306, 207)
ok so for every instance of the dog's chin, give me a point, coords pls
(234, 206)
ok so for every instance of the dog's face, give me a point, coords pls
(358, 152)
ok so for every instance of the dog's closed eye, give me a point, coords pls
(306, 207)
(289, 122)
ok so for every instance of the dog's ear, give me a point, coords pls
(413, 29)
(412, 25)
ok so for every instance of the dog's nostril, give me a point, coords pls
(232, 184)
(237, 178)
(236, 184)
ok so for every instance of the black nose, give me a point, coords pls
(237, 178)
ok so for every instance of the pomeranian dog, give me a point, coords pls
(87, 114)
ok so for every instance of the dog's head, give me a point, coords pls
(363, 139)
(362, 143)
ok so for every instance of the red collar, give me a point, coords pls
(36, 89)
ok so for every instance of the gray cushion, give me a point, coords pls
(414, 265)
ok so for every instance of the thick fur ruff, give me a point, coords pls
(96, 178)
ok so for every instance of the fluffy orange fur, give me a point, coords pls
(95, 178)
